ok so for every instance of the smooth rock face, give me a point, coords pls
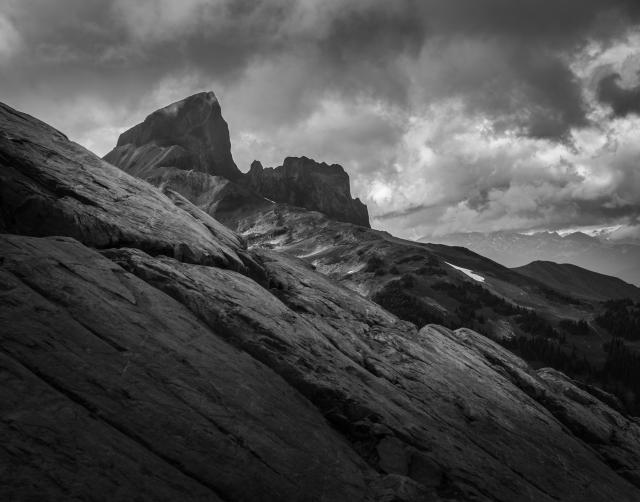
(188, 134)
(303, 182)
(615, 437)
(113, 390)
(129, 372)
(430, 406)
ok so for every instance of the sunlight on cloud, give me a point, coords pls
(380, 193)
(487, 180)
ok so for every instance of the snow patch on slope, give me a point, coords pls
(467, 272)
(316, 251)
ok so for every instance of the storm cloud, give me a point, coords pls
(453, 115)
(622, 101)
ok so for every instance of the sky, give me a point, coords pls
(449, 115)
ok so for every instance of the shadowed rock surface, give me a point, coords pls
(303, 182)
(188, 134)
(225, 200)
(148, 387)
(130, 370)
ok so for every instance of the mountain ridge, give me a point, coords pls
(513, 249)
(579, 281)
(316, 186)
(189, 134)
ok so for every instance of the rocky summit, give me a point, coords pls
(146, 353)
(303, 182)
(189, 134)
(185, 147)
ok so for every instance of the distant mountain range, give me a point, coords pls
(513, 249)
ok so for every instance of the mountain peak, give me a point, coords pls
(191, 135)
(256, 165)
(188, 134)
(200, 104)
(305, 163)
(318, 186)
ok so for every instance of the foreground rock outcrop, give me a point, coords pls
(131, 371)
(303, 182)
(188, 134)
(111, 388)
(51, 186)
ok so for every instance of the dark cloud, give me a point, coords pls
(121, 49)
(621, 100)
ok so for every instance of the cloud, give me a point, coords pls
(630, 233)
(448, 115)
(361, 133)
(156, 21)
(458, 173)
(623, 101)
(10, 40)
(384, 50)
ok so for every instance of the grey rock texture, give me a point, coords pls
(614, 436)
(317, 186)
(132, 372)
(114, 390)
(188, 134)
